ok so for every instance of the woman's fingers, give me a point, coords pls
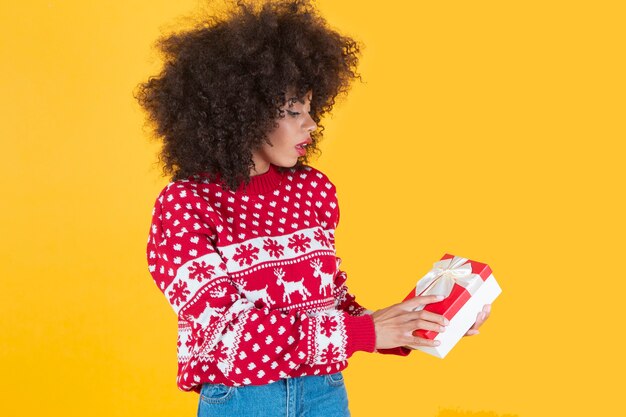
(409, 305)
(392, 331)
(395, 324)
(482, 316)
(427, 316)
(422, 300)
(480, 319)
(487, 311)
(422, 324)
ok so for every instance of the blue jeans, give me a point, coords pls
(305, 396)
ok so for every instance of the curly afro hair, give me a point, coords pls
(224, 81)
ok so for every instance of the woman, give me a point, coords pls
(242, 239)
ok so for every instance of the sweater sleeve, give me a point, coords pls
(250, 343)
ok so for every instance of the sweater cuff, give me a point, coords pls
(360, 333)
(399, 351)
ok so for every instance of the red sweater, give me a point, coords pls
(254, 279)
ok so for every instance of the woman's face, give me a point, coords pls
(293, 130)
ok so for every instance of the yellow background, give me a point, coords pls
(492, 130)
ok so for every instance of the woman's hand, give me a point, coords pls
(395, 324)
(480, 319)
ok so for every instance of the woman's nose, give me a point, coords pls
(310, 124)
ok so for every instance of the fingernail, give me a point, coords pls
(442, 329)
(439, 297)
(487, 308)
(446, 321)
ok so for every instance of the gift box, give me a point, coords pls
(467, 285)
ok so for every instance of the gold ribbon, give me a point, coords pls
(444, 274)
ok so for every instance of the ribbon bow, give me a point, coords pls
(444, 274)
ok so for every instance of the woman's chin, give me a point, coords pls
(286, 163)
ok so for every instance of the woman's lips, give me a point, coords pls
(301, 148)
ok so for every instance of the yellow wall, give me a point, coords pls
(495, 129)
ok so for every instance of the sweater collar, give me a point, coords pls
(262, 183)
(259, 184)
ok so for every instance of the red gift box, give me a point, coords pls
(468, 285)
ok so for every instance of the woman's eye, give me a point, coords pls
(292, 113)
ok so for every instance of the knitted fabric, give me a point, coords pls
(254, 278)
